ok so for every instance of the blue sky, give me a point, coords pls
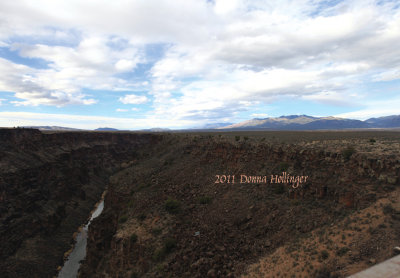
(133, 64)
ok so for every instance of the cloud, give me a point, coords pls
(172, 21)
(10, 119)
(121, 110)
(294, 49)
(92, 54)
(242, 89)
(335, 98)
(388, 75)
(216, 59)
(125, 65)
(259, 115)
(91, 64)
(133, 99)
(38, 87)
(375, 108)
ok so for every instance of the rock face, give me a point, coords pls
(48, 186)
(165, 215)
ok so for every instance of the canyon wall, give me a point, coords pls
(165, 216)
(49, 183)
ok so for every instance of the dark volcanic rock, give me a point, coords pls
(48, 185)
(220, 228)
(164, 215)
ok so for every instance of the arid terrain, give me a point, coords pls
(165, 215)
(49, 183)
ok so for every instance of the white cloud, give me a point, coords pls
(225, 6)
(10, 119)
(222, 57)
(389, 75)
(121, 110)
(333, 98)
(263, 54)
(169, 20)
(91, 57)
(241, 90)
(375, 108)
(133, 99)
(260, 115)
(71, 69)
(35, 87)
(125, 65)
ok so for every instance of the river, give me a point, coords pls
(72, 264)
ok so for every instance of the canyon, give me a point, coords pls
(49, 183)
(164, 215)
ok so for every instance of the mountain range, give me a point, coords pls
(291, 122)
(106, 129)
(47, 128)
(305, 122)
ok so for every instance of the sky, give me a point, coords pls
(134, 64)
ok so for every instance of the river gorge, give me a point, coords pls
(71, 265)
(164, 215)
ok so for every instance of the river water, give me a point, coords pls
(72, 264)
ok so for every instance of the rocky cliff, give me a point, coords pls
(165, 215)
(48, 186)
(173, 210)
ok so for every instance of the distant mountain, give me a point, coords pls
(290, 122)
(305, 122)
(105, 129)
(156, 129)
(385, 122)
(279, 122)
(215, 125)
(51, 127)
